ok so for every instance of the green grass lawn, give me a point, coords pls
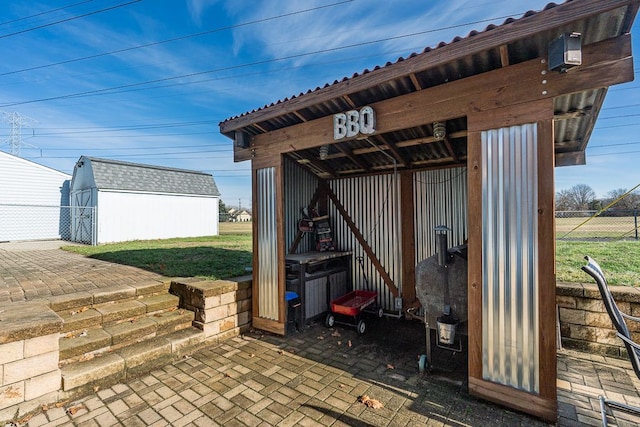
(211, 257)
(228, 255)
(619, 260)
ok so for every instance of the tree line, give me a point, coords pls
(581, 197)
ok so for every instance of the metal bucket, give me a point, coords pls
(446, 332)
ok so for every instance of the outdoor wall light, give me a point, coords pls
(324, 152)
(439, 131)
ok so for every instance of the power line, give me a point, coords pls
(202, 33)
(115, 89)
(69, 19)
(44, 13)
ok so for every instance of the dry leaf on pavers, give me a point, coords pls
(390, 366)
(252, 355)
(335, 334)
(86, 357)
(349, 344)
(96, 389)
(25, 419)
(74, 409)
(371, 403)
(320, 338)
(339, 342)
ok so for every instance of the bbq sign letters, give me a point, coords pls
(352, 123)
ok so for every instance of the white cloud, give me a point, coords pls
(197, 8)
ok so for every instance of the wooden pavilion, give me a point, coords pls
(490, 115)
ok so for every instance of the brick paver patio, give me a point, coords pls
(310, 378)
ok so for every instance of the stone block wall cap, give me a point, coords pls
(21, 321)
(626, 293)
(570, 289)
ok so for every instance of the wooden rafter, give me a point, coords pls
(452, 153)
(504, 55)
(415, 81)
(300, 116)
(573, 114)
(349, 101)
(351, 156)
(604, 63)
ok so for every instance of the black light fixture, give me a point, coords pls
(565, 52)
(242, 139)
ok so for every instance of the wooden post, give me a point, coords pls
(408, 251)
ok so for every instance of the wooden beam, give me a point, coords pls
(268, 325)
(604, 64)
(474, 258)
(408, 243)
(546, 263)
(280, 242)
(365, 246)
(548, 20)
(255, 210)
(516, 399)
(571, 158)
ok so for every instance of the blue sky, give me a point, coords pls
(148, 81)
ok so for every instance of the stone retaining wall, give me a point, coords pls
(222, 307)
(584, 322)
(29, 374)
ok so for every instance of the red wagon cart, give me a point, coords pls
(351, 305)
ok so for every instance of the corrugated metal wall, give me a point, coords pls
(440, 198)
(300, 186)
(509, 257)
(267, 240)
(372, 203)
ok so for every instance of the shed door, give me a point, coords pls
(82, 217)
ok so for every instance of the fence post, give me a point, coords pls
(635, 221)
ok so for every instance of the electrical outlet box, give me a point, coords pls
(398, 303)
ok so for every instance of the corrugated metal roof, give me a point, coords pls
(515, 40)
(118, 175)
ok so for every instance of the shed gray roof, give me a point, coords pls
(117, 175)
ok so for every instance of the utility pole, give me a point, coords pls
(239, 204)
(17, 122)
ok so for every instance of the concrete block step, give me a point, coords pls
(80, 319)
(111, 312)
(77, 300)
(131, 361)
(81, 344)
(88, 341)
(160, 302)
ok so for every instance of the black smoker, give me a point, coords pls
(447, 322)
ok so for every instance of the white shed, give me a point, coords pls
(118, 201)
(33, 200)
